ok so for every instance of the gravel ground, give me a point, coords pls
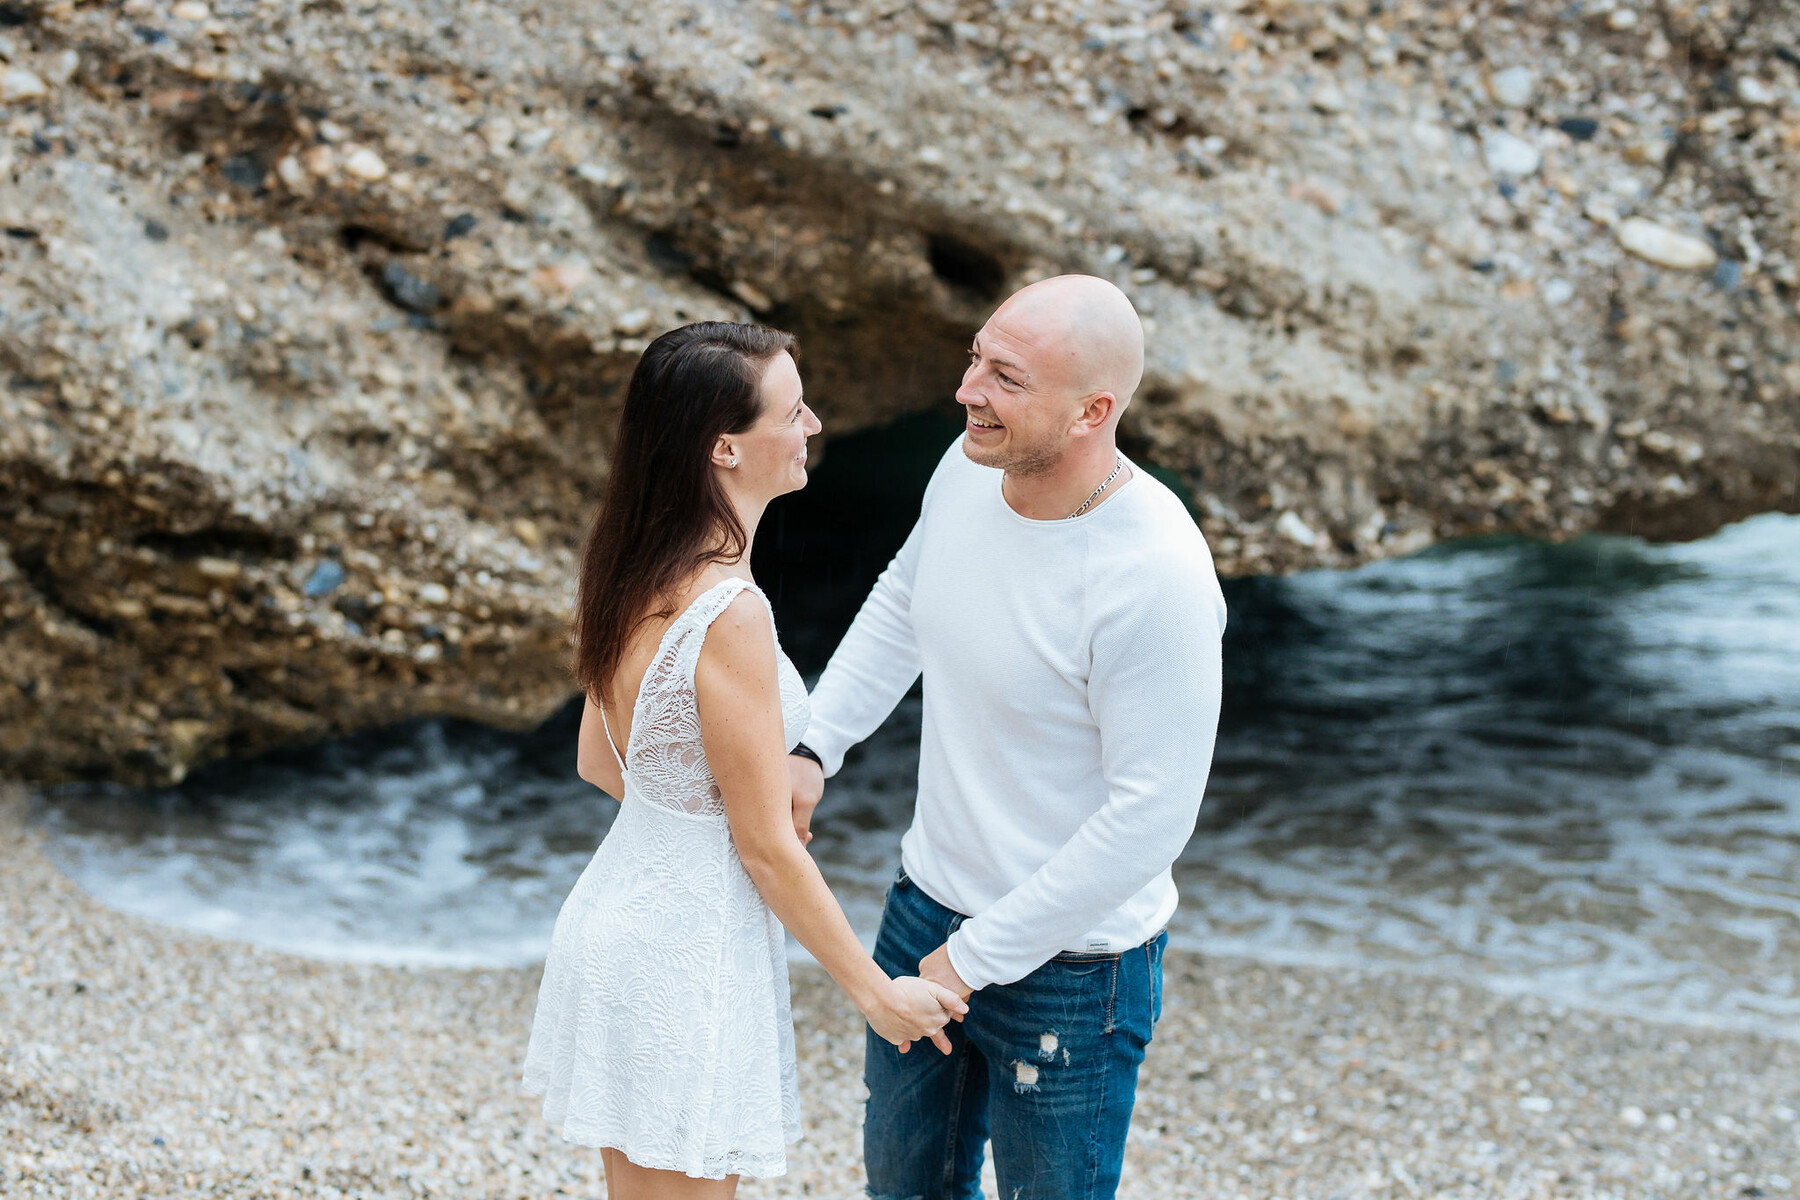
(137, 1060)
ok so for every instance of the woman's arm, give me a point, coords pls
(594, 759)
(740, 727)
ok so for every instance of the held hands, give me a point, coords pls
(911, 1009)
(807, 779)
(937, 968)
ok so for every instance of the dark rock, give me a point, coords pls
(408, 290)
(1582, 129)
(156, 231)
(459, 225)
(243, 170)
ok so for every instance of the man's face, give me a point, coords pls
(1017, 397)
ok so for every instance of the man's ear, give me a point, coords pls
(1096, 410)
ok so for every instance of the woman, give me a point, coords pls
(663, 1033)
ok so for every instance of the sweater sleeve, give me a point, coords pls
(1154, 693)
(878, 660)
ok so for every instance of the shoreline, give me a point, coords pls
(140, 1060)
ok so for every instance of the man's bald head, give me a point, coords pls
(1090, 327)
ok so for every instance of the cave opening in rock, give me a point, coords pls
(966, 266)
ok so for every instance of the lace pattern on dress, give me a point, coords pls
(663, 753)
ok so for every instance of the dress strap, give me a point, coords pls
(698, 619)
(610, 744)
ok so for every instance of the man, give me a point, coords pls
(1064, 611)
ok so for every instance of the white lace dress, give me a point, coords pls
(663, 1028)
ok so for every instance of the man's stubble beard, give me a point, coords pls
(1023, 463)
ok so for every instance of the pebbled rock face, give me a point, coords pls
(314, 315)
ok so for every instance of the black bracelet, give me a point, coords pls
(806, 751)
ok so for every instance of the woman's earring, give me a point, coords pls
(732, 463)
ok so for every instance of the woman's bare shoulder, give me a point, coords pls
(743, 634)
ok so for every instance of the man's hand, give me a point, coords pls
(937, 968)
(806, 778)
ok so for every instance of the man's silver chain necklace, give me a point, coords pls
(1106, 483)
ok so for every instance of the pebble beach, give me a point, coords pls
(138, 1060)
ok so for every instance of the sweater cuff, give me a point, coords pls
(821, 742)
(961, 963)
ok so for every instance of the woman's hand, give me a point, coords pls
(911, 1009)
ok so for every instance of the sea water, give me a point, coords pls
(1565, 770)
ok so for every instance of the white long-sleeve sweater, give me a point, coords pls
(1071, 699)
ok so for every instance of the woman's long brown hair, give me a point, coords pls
(664, 515)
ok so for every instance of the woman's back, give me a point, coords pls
(658, 743)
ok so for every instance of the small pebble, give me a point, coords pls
(1664, 246)
(327, 577)
(366, 165)
(1755, 92)
(62, 67)
(1510, 156)
(408, 290)
(1294, 528)
(320, 160)
(20, 86)
(1512, 87)
(752, 296)
(291, 173)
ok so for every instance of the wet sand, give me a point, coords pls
(137, 1060)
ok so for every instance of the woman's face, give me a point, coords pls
(771, 454)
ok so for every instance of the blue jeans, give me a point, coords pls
(1047, 1067)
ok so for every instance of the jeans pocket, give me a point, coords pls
(1140, 990)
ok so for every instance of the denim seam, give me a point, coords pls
(956, 1097)
(948, 1177)
(1093, 1163)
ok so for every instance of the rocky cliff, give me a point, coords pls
(314, 314)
